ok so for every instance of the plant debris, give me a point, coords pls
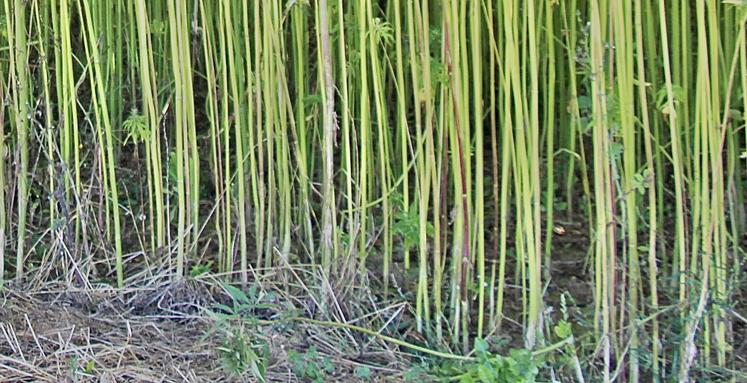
(162, 333)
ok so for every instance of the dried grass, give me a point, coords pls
(162, 332)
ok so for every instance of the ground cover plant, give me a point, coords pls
(373, 190)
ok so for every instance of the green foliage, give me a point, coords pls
(75, 368)
(520, 366)
(417, 373)
(89, 366)
(234, 91)
(662, 101)
(244, 304)
(642, 179)
(310, 366)
(407, 223)
(382, 32)
(363, 372)
(242, 350)
(136, 126)
(200, 269)
(241, 353)
(158, 27)
(72, 364)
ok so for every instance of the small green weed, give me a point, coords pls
(242, 350)
(200, 269)
(520, 366)
(363, 372)
(310, 366)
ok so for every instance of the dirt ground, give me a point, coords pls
(164, 333)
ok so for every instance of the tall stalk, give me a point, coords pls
(651, 191)
(104, 132)
(21, 94)
(328, 222)
(625, 94)
(354, 136)
(69, 140)
(475, 17)
(549, 122)
(152, 143)
(604, 260)
(2, 178)
(300, 43)
(364, 129)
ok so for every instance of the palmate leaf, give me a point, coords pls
(382, 31)
(136, 126)
(563, 330)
